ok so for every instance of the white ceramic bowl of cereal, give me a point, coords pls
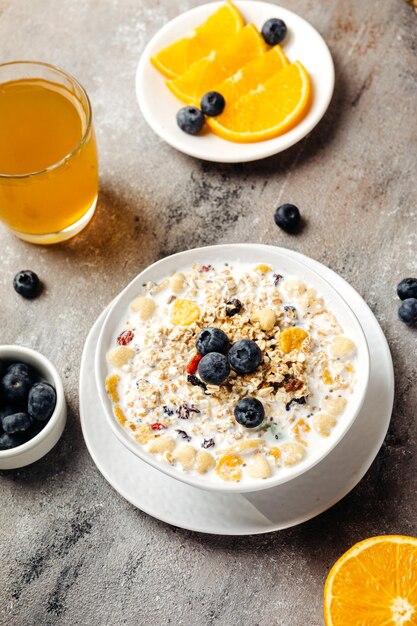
(308, 384)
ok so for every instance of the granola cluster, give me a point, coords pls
(303, 382)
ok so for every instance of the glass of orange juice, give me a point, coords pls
(48, 153)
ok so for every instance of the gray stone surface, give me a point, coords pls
(72, 551)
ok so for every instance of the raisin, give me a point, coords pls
(301, 400)
(184, 411)
(207, 443)
(233, 307)
(183, 434)
(293, 384)
(193, 380)
(277, 279)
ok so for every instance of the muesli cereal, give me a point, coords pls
(230, 371)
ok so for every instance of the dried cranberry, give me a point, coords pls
(125, 337)
(206, 268)
(193, 364)
(158, 426)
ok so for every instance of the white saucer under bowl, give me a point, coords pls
(242, 514)
(159, 106)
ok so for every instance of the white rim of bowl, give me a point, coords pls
(20, 352)
(141, 453)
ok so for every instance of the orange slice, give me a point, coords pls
(204, 74)
(252, 74)
(273, 108)
(175, 59)
(374, 584)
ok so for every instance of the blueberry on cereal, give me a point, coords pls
(249, 412)
(212, 339)
(245, 356)
(214, 368)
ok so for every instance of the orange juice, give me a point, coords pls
(48, 157)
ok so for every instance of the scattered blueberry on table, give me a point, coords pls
(212, 103)
(407, 288)
(288, 217)
(408, 311)
(190, 119)
(407, 292)
(274, 31)
(27, 284)
(26, 404)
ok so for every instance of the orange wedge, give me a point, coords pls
(252, 74)
(175, 59)
(273, 108)
(204, 74)
(374, 584)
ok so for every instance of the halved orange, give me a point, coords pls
(374, 584)
(274, 107)
(252, 74)
(204, 74)
(175, 59)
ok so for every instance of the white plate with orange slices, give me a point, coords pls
(275, 95)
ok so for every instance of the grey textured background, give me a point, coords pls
(72, 551)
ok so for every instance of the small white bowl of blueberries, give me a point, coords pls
(32, 406)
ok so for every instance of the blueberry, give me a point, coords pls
(16, 423)
(407, 288)
(10, 441)
(17, 368)
(408, 311)
(212, 103)
(214, 368)
(5, 411)
(274, 31)
(42, 401)
(27, 284)
(190, 120)
(15, 387)
(249, 412)
(287, 217)
(245, 356)
(212, 339)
